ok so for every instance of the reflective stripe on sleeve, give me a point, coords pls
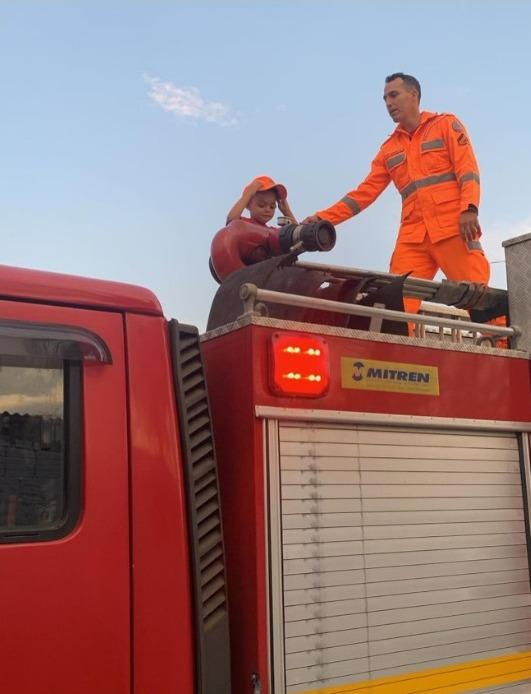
(428, 181)
(470, 176)
(432, 144)
(394, 161)
(352, 204)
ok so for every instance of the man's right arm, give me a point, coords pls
(358, 199)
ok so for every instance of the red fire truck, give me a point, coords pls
(370, 532)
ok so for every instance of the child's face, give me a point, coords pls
(262, 205)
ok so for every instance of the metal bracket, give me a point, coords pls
(248, 294)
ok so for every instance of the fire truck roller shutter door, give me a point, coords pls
(403, 551)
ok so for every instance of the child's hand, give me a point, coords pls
(239, 206)
(285, 209)
(253, 187)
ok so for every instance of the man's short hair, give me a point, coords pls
(408, 79)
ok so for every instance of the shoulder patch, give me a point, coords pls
(462, 139)
(456, 125)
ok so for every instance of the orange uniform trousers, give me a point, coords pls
(451, 255)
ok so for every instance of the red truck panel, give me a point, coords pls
(239, 442)
(163, 646)
(65, 603)
(54, 288)
(472, 385)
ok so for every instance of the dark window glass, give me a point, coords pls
(33, 465)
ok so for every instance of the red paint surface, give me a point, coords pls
(472, 386)
(68, 290)
(65, 604)
(74, 611)
(239, 450)
(163, 648)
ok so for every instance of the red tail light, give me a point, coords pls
(300, 365)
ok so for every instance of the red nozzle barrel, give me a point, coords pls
(243, 243)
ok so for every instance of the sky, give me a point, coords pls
(129, 128)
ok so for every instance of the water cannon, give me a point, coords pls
(243, 243)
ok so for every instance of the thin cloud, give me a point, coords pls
(187, 103)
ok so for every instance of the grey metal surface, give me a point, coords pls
(395, 420)
(518, 268)
(250, 294)
(274, 559)
(403, 550)
(526, 477)
(278, 324)
(445, 291)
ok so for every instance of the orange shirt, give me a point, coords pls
(434, 170)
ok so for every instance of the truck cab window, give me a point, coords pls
(31, 447)
(40, 426)
(39, 466)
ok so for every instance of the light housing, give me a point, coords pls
(300, 365)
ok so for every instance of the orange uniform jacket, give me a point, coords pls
(434, 170)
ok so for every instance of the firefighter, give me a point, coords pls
(430, 160)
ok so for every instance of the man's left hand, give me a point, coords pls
(469, 226)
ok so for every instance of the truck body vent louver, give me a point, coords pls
(204, 513)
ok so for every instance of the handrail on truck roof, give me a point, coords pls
(251, 296)
(446, 292)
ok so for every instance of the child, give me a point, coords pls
(260, 197)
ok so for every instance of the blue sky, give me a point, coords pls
(128, 129)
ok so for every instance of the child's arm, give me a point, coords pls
(286, 211)
(239, 206)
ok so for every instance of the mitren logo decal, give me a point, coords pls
(389, 376)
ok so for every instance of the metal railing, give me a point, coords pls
(414, 287)
(254, 300)
(455, 333)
